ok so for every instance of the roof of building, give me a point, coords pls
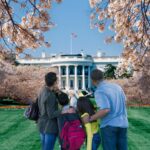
(75, 55)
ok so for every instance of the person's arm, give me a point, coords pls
(72, 101)
(103, 103)
(100, 114)
(88, 132)
(51, 109)
(89, 136)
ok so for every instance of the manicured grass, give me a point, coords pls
(17, 133)
(139, 129)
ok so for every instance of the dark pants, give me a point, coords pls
(114, 138)
(48, 141)
(96, 141)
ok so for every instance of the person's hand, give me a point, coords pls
(56, 90)
(55, 87)
(86, 119)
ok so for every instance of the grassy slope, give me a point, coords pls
(17, 133)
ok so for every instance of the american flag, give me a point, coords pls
(73, 35)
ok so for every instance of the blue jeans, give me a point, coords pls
(48, 141)
(114, 138)
(96, 141)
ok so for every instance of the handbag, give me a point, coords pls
(32, 112)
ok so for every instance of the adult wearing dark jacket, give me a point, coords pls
(48, 107)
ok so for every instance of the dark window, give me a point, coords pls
(63, 70)
(71, 84)
(79, 69)
(64, 83)
(86, 83)
(71, 70)
(86, 70)
(80, 84)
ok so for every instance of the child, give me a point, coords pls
(73, 99)
(71, 132)
(86, 109)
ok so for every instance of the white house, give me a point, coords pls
(73, 69)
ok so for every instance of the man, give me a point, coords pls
(48, 107)
(110, 98)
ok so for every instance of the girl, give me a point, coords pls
(86, 109)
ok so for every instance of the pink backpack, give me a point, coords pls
(72, 135)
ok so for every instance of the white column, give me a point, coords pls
(67, 77)
(75, 77)
(89, 78)
(59, 76)
(83, 77)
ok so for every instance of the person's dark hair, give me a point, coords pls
(50, 78)
(63, 98)
(84, 105)
(97, 75)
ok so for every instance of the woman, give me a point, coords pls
(48, 108)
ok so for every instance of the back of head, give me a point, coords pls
(84, 105)
(50, 79)
(97, 75)
(63, 98)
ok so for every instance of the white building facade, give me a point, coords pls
(73, 69)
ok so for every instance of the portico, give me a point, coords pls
(74, 76)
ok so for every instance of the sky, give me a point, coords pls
(72, 16)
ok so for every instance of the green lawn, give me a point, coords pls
(17, 133)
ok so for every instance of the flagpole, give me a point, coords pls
(70, 44)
